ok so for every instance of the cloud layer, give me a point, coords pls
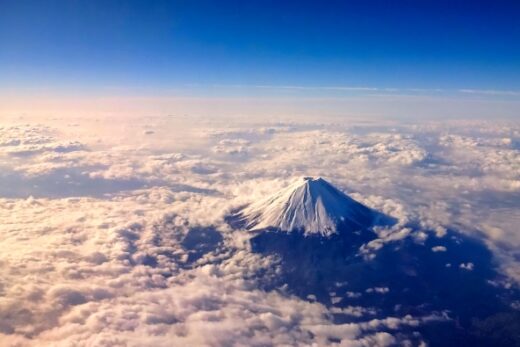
(121, 239)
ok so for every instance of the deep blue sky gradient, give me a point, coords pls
(175, 44)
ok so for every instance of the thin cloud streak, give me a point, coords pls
(490, 92)
(371, 89)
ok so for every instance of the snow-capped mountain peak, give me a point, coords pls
(311, 205)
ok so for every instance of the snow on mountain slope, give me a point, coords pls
(311, 205)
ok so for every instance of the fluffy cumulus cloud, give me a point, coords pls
(120, 239)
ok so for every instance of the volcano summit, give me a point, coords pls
(310, 205)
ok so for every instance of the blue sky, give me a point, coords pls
(200, 46)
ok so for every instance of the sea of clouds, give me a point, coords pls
(97, 215)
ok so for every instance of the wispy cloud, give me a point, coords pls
(490, 92)
(374, 89)
(339, 88)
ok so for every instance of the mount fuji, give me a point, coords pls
(309, 205)
(316, 235)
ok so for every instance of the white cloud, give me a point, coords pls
(378, 290)
(439, 249)
(112, 267)
(467, 266)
